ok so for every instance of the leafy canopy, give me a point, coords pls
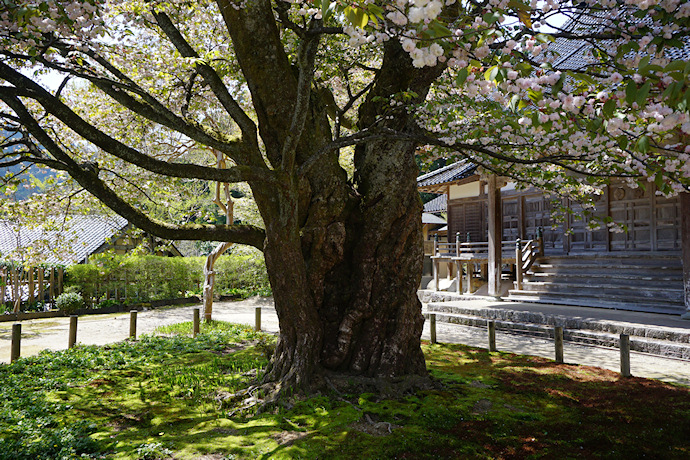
(558, 93)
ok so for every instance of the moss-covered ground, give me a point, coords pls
(165, 396)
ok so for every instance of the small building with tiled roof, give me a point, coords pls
(439, 180)
(437, 205)
(78, 238)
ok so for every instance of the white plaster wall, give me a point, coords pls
(464, 191)
(508, 187)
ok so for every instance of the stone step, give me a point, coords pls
(615, 277)
(642, 270)
(671, 293)
(679, 348)
(670, 260)
(592, 300)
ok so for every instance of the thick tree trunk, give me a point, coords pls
(344, 259)
(345, 289)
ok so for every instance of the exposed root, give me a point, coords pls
(269, 395)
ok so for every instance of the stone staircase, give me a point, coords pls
(648, 283)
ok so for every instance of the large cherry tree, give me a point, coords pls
(289, 92)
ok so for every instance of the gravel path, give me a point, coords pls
(51, 333)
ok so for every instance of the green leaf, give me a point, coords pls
(558, 86)
(595, 125)
(462, 76)
(491, 73)
(609, 107)
(659, 180)
(623, 141)
(643, 144)
(440, 30)
(630, 92)
(544, 38)
(327, 9)
(518, 5)
(375, 12)
(535, 96)
(514, 102)
(491, 18)
(675, 66)
(356, 16)
(642, 94)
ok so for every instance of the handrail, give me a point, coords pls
(525, 257)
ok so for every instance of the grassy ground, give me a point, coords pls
(162, 397)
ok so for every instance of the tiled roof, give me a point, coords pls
(438, 204)
(81, 236)
(428, 218)
(572, 54)
(456, 171)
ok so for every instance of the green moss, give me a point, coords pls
(160, 394)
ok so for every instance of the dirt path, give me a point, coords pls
(52, 333)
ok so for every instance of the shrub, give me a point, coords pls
(69, 302)
(138, 278)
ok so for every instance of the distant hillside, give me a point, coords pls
(39, 173)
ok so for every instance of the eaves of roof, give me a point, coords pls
(462, 169)
(438, 204)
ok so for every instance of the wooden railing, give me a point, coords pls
(525, 257)
(470, 253)
(29, 284)
(479, 250)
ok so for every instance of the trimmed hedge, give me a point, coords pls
(137, 278)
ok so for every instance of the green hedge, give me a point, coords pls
(144, 278)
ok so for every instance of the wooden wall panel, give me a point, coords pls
(652, 221)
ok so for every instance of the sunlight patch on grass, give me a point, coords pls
(159, 396)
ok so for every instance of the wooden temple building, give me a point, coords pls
(508, 238)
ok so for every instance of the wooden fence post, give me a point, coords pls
(61, 275)
(195, 326)
(558, 338)
(52, 284)
(625, 355)
(432, 327)
(133, 324)
(4, 284)
(41, 285)
(15, 287)
(31, 285)
(72, 331)
(257, 319)
(16, 342)
(518, 264)
(492, 335)
(540, 241)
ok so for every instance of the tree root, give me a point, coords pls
(266, 396)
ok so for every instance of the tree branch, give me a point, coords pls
(148, 106)
(307, 55)
(245, 123)
(118, 149)
(87, 177)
